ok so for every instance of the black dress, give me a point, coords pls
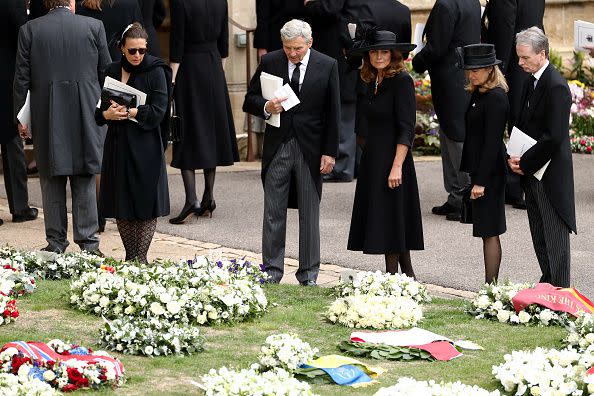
(134, 176)
(386, 220)
(115, 18)
(199, 38)
(483, 157)
(153, 13)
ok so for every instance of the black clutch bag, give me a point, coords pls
(466, 210)
(176, 134)
(121, 98)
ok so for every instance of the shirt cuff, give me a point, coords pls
(266, 114)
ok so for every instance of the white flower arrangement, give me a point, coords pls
(248, 382)
(407, 386)
(494, 302)
(14, 280)
(384, 285)
(12, 385)
(151, 337)
(546, 372)
(286, 351)
(198, 292)
(375, 312)
(581, 332)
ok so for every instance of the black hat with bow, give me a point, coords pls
(476, 56)
(371, 38)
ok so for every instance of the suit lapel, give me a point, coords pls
(539, 92)
(282, 66)
(310, 75)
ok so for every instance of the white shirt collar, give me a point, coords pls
(538, 74)
(304, 61)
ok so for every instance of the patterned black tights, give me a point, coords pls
(137, 236)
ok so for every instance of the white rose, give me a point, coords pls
(94, 298)
(483, 302)
(498, 305)
(590, 337)
(49, 376)
(174, 307)
(503, 316)
(148, 350)
(165, 298)
(104, 301)
(157, 308)
(546, 315)
(524, 317)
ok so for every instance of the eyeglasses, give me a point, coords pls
(132, 51)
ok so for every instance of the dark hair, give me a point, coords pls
(132, 31)
(95, 4)
(49, 4)
(368, 72)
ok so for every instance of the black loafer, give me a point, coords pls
(443, 210)
(26, 215)
(309, 283)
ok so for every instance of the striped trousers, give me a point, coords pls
(289, 165)
(550, 234)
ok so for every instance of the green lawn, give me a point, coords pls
(46, 314)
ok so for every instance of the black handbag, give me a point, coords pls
(176, 134)
(466, 210)
(121, 98)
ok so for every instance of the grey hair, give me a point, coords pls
(296, 28)
(534, 38)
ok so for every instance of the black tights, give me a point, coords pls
(492, 253)
(137, 236)
(392, 260)
(189, 179)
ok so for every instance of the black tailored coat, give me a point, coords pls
(134, 175)
(153, 14)
(271, 15)
(386, 220)
(547, 121)
(13, 14)
(115, 18)
(451, 24)
(502, 19)
(199, 39)
(314, 122)
(484, 158)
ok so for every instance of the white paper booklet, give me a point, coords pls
(583, 35)
(114, 84)
(518, 144)
(24, 115)
(270, 84)
(418, 37)
(287, 92)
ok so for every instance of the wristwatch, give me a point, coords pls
(128, 111)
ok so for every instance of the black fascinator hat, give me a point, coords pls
(476, 56)
(369, 38)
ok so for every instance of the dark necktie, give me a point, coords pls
(295, 78)
(532, 80)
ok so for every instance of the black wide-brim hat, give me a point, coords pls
(476, 56)
(370, 38)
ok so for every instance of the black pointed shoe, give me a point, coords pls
(206, 208)
(186, 212)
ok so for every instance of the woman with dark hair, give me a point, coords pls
(386, 213)
(115, 15)
(134, 178)
(484, 154)
(199, 39)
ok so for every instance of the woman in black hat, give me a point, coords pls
(386, 213)
(483, 156)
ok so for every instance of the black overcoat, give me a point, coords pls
(501, 21)
(451, 24)
(134, 175)
(271, 15)
(13, 14)
(484, 158)
(115, 17)
(547, 121)
(153, 14)
(315, 121)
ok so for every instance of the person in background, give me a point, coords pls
(14, 168)
(483, 156)
(271, 15)
(134, 176)
(153, 14)
(199, 43)
(64, 89)
(300, 151)
(386, 215)
(451, 24)
(115, 15)
(502, 20)
(544, 116)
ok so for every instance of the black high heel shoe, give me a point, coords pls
(186, 212)
(206, 208)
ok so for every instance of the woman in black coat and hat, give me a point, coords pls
(386, 213)
(133, 177)
(483, 156)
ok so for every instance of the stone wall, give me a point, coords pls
(559, 17)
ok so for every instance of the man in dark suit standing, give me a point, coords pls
(271, 15)
(502, 20)
(451, 24)
(60, 56)
(297, 154)
(13, 14)
(545, 117)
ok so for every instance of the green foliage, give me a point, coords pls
(383, 352)
(579, 70)
(556, 60)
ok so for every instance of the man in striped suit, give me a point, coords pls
(545, 117)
